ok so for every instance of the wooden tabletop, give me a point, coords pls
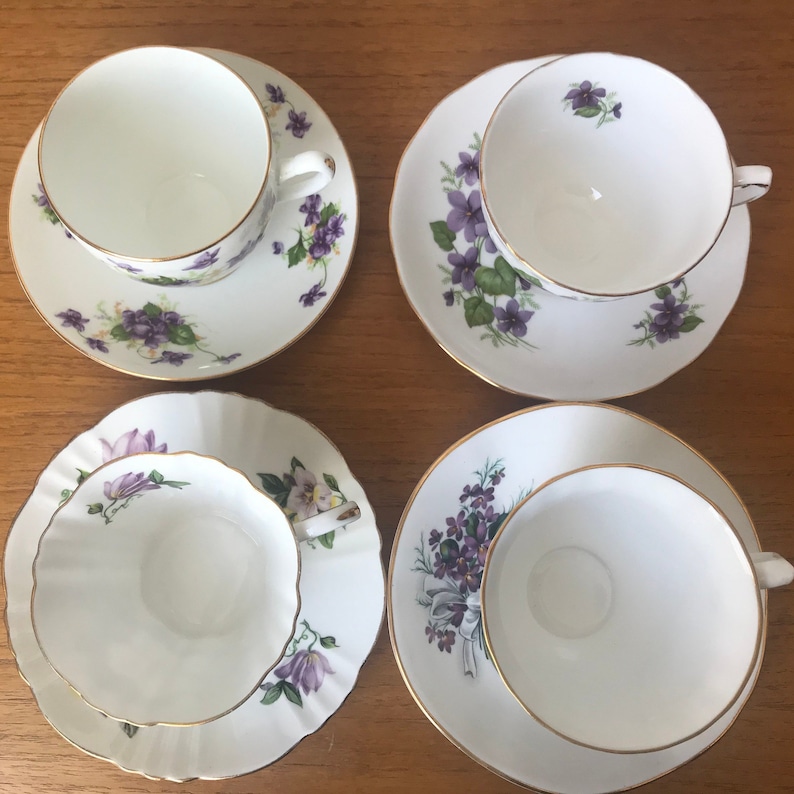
(370, 375)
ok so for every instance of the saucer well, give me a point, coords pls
(341, 589)
(435, 571)
(504, 328)
(183, 333)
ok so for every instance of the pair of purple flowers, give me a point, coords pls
(297, 124)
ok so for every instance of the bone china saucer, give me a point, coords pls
(341, 588)
(182, 333)
(502, 327)
(434, 614)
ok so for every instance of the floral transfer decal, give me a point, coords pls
(156, 332)
(303, 669)
(670, 317)
(494, 297)
(452, 576)
(586, 99)
(317, 243)
(126, 487)
(297, 123)
(301, 495)
(47, 212)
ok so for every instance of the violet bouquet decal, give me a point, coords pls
(672, 315)
(300, 494)
(494, 297)
(451, 562)
(156, 332)
(317, 243)
(127, 487)
(589, 101)
(303, 668)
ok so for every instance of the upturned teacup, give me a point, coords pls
(622, 609)
(160, 162)
(166, 587)
(605, 175)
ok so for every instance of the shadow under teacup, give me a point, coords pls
(605, 175)
(621, 608)
(166, 587)
(161, 162)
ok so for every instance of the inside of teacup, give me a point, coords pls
(606, 174)
(621, 609)
(154, 153)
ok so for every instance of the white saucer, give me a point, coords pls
(342, 585)
(436, 631)
(213, 330)
(556, 348)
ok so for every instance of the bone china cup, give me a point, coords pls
(160, 161)
(621, 608)
(605, 175)
(166, 587)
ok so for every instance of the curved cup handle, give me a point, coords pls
(750, 182)
(304, 174)
(772, 569)
(335, 518)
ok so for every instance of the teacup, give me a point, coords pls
(166, 587)
(160, 162)
(605, 175)
(622, 609)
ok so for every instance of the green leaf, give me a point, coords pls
(272, 484)
(65, 494)
(95, 508)
(588, 112)
(297, 253)
(174, 483)
(152, 310)
(273, 694)
(662, 292)
(156, 477)
(119, 333)
(162, 281)
(328, 211)
(296, 464)
(690, 323)
(472, 523)
(497, 280)
(331, 482)
(494, 527)
(181, 334)
(292, 694)
(328, 642)
(327, 540)
(443, 235)
(477, 311)
(532, 280)
(81, 475)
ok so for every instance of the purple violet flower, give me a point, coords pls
(512, 319)
(229, 359)
(297, 124)
(169, 357)
(97, 344)
(153, 331)
(456, 526)
(585, 95)
(129, 484)
(471, 580)
(319, 248)
(463, 267)
(332, 230)
(671, 313)
(470, 492)
(435, 538)
(275, 94)
(278, 248)
(469, 167)
(431, 633)
(204, 260)
(446, 641)
(449, 297)
(616, 110)
(306, 669)
(308, 299)
(311, 206)
(477, 547)
(465, 214)
(125, 266)
(73, 319)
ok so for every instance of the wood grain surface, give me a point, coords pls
(372, 378)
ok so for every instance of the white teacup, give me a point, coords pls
(160, 161)
(605, 175)
(166, 587)
(622, 609)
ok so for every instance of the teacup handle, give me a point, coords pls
(322, 523)
(750, 182)
(304, 174)
(772, 569)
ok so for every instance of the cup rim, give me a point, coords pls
(532, 269)
(187, 254)
(69, 500)
(746, 555)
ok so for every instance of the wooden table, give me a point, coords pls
(370, 375)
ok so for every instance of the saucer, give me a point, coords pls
(503, 327)
(342, 584)
(435, 622)
(182, 333)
